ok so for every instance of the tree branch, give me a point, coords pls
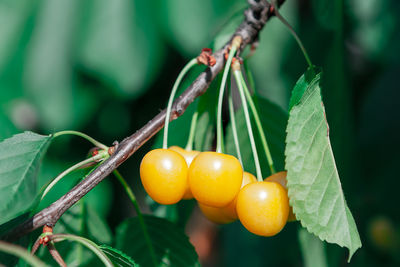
(256, 16)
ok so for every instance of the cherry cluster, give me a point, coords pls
(222, 189)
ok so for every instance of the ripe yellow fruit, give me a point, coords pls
(215, 178)
(164, 175)
(263, 208)
(189, 156)
(280, 177)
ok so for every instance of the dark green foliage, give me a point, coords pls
(172, 246)
(117, 257)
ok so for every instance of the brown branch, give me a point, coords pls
(256, 16)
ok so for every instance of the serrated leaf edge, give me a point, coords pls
(323, 237)
(131, 261)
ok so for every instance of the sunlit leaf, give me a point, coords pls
(171, 245)
(20, 158)
(313, 181)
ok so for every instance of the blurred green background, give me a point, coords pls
(106, 67)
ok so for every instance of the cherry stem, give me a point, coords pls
(87, 137)
(286, 23)
(56, 255)
(185, 70)
(249, 75)
(85, 242)
(234, 46)
(234, 129)
(35, 246)
(237, 73)
(259, 126)
(193, 125)
(142, 223)
(22, 253)
(103, 154)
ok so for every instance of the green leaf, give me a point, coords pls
(20, 158)
(117, 257)
(313, 181)
(313, 249)
(172, 246)
(273, 120)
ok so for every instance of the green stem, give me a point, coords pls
(193, 124)
(87, 243)
(238, 74)
(286, 23)
(249, 74)
(259, 126)
(232, 52)
(102, 155)
(172, 96)
(132, 197)
(22, 253)
(87, 137)
(234, 129)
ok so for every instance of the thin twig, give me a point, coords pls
(256, 16)
(56, 255)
